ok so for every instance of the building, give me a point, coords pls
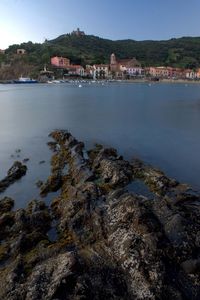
(21, 51)
(198, 73)
(100, 71)
(78, 32)
(89, 71)
(191, 74)
(60, 62)
(46, 75)
(75, 70)
(165, 72)
(123, 67)
(134, 71)
(158, 72)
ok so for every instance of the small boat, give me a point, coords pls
(80, 86)
(25, 80)
(56, 81)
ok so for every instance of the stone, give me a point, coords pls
(14, 173)
(6, 204)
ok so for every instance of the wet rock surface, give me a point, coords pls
(14, 173)
(110, 243)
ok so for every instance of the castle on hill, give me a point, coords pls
(78, 32)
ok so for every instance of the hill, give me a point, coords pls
(88, 49)
(182, 52)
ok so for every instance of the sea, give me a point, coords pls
(158, 123)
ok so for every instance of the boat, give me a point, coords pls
(55, 81)
(25, 80)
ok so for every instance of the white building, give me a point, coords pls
(100, 71)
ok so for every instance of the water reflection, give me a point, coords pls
(159, 124)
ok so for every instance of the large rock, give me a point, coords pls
(14, 173)
(111, 243)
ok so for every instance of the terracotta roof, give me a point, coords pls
(101, 65)
(75, 66)
(133, 62)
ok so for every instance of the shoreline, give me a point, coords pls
(137, 80)
(182, 81)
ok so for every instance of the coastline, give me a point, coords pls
(137, 80)
(145, 80)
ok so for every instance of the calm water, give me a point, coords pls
(159, 124)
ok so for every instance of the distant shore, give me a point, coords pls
(145, 80)
(136, 80)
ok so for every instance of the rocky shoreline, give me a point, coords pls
(108, 242)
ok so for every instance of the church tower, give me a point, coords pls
(113, 63)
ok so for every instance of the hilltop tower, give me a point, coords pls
(78, 32)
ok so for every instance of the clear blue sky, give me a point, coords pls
(35, 20)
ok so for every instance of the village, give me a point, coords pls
(118, 69)
(62, 68)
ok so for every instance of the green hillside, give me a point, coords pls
(182, 52)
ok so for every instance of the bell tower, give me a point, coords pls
(113, 62)
(113, 59)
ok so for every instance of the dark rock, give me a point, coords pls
(14, 173)
(53, 146)
(17, 171)
(26, 160)
(157, 181)
(6, 204)
(52, 184)
(115, 173)
(6, 222)
(39, 183)
(110, 244)
(191, 266)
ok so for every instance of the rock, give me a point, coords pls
(39, 183)
(53, 146)
(52, 184)
(6, 222)
(110, 170)
(191, 266)
(154, 178)
(17, 171)
(110, 244)
(115, 173)
(6, 204)
(14, 173)
(25, 160)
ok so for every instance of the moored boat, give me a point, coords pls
(25, 80)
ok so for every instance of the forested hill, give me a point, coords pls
(88, 49)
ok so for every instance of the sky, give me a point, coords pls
(37, 20)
